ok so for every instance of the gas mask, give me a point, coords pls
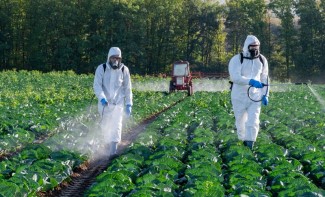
(114, 63)
(254, 50)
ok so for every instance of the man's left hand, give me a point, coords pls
(265, 100)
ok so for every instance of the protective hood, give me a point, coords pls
(114, 51)
(250, 40)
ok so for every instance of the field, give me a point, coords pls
(188, 146)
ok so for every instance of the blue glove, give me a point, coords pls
(265, 100)
(128, 110)
(104, 101)
(255, 83)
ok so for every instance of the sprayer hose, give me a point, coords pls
(267, 89)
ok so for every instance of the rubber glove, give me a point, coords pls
(104, 101)
(255, 83)
(128, 110)
(265, 100)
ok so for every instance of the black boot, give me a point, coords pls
(249, 144)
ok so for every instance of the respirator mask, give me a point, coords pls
(114, 62)
(254, 50)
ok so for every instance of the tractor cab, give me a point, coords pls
(181, 77)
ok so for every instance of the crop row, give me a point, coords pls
(190, 150)
(41, 167)
(284, 172)
(302, 134)
(204, 157)
(175, 155)
(34, 104)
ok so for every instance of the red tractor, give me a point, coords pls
(181, 77)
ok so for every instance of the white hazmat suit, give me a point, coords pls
(114, 85)
(246, 111)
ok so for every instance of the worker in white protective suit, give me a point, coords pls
(246, 69)
(112, 86)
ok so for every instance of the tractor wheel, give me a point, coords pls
(171, 87)
(189, 90)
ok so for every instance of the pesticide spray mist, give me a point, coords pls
(318, 97)
(75, 136)
(83, 135)
(211, 85)
(162, 85)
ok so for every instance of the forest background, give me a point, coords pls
(76, 35)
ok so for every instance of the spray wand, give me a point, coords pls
(267, 88)
(284, 84)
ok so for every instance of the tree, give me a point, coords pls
(11, 34)
(311, 38)
(50, 35)
(322, 38)
(284, 10)
(205, 35)
(245, 17)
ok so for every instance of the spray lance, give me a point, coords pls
(259, 99)
(285, 84)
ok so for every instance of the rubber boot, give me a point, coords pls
(249, 144)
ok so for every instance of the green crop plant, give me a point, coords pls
(190, 149)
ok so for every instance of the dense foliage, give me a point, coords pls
(50, 35)
(49, 128)
(193, 150)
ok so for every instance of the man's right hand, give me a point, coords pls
(104, 102)
(255, 83)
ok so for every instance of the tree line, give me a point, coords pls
(49, 35)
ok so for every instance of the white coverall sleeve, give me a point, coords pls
(127, 87)
(265, 74)
(98, 83)
(235, 68)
